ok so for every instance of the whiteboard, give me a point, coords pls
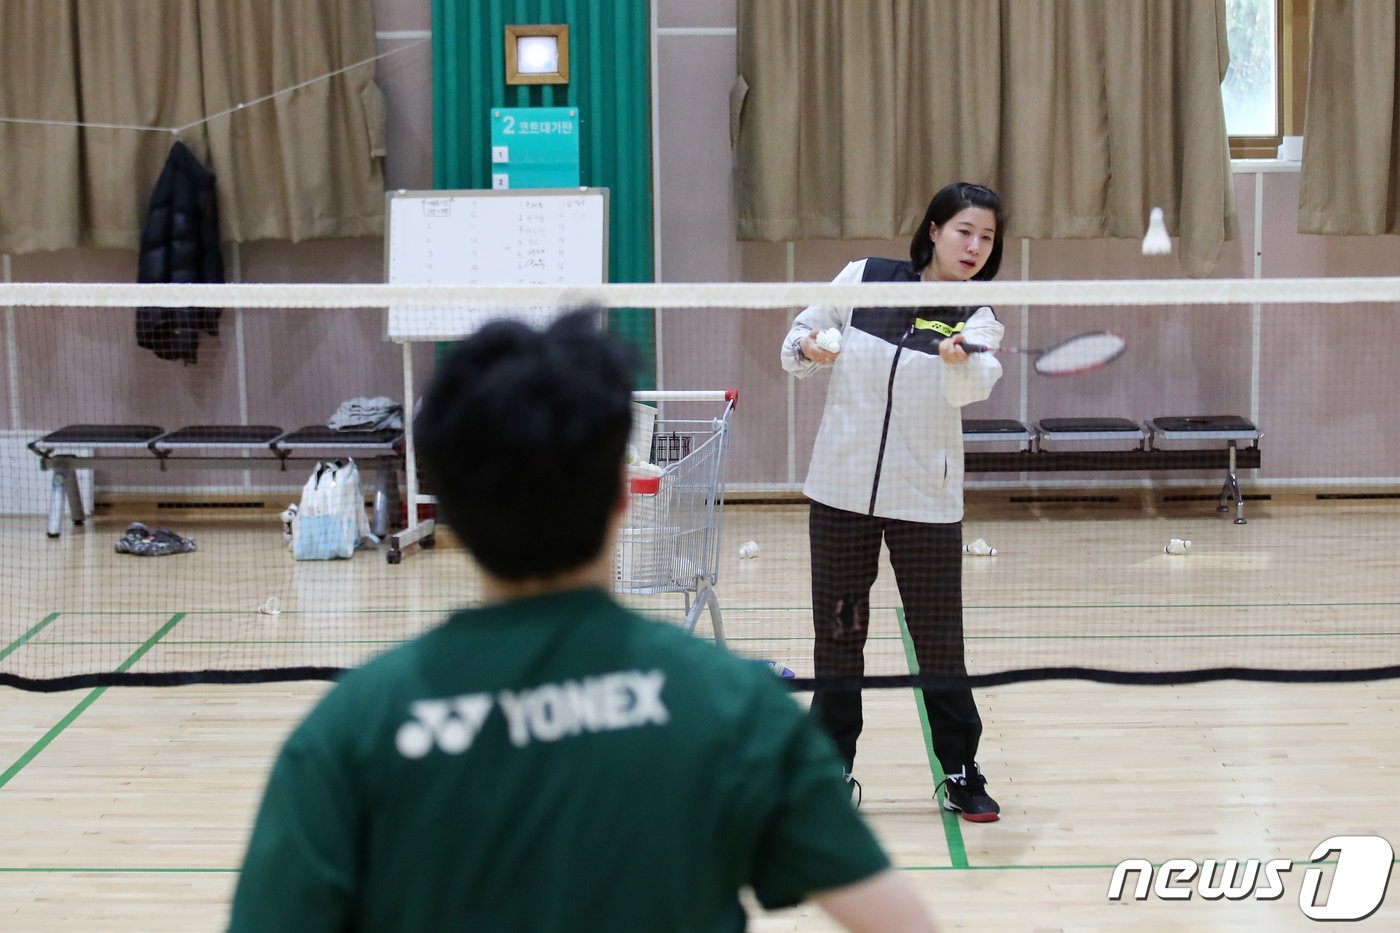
(544, 236)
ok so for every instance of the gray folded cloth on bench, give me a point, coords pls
(367, 414)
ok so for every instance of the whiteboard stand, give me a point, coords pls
(543, 236)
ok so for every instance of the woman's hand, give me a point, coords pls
(816, 354)
(950, 350)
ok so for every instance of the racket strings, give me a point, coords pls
(1081, 353)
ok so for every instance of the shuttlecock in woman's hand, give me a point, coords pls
(1156, 242)
(829, 340)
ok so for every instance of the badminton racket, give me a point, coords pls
(1081, 353)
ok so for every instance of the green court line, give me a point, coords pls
(1186, 635)
(239, 641)
(243, 611)
(1286, 604)
(1110, 637)
(988, 607)
(233, 871)
(14, 645)
(981, 607)
(952, 831)
(82, 870)
(84, 703)
(1300, 862)
(729, 638)
(1181, 636)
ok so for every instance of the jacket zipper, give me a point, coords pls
(889, 407)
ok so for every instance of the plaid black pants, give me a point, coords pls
(927, 563)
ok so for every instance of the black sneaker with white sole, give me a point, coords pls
(135, 532)
(854, 785)
(966, 793)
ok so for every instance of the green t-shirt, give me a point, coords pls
(555, 763)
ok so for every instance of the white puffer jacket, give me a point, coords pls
(890, 439)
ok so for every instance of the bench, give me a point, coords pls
(1136, 447)
(215, 446)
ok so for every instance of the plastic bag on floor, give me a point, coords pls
(330, 521)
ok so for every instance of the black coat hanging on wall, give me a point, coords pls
(180, 243)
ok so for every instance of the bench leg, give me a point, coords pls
(1231, 490)
(386, 496)
(64, 488)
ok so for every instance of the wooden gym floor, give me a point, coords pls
(127, 809)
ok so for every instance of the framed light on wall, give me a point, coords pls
(537, 54)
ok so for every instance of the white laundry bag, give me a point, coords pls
(330, 522)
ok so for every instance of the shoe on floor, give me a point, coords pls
(134, 532)
(854, 786)
(155, 543)
(966, 793)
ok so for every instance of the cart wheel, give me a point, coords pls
(429, 542)
(393, 556)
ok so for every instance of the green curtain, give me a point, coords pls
(609, 83)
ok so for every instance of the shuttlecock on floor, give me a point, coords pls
(1156, 242)
(270, 607)
(980, 548)
(748, 549)
(1177, 546)
(829, 340)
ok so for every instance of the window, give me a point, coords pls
(1264, 88)
(1250, 88)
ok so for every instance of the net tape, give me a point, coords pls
(1123, 293)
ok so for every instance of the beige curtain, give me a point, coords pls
(846, 116)
(39, 164)
(305, 164)
(1351, 134)
(159, 86)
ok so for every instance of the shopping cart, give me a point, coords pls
(669, 541)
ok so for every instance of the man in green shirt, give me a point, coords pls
(551, 760)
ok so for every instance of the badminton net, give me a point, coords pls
(1087, 488)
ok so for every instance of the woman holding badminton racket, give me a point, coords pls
(888, 464)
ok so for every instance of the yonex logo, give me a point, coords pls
(451, 724)
(547, 713)
(1358, 882)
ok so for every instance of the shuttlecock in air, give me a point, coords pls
(980, 548)
(829, 340)
(1177, 546)
(1156, 242)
